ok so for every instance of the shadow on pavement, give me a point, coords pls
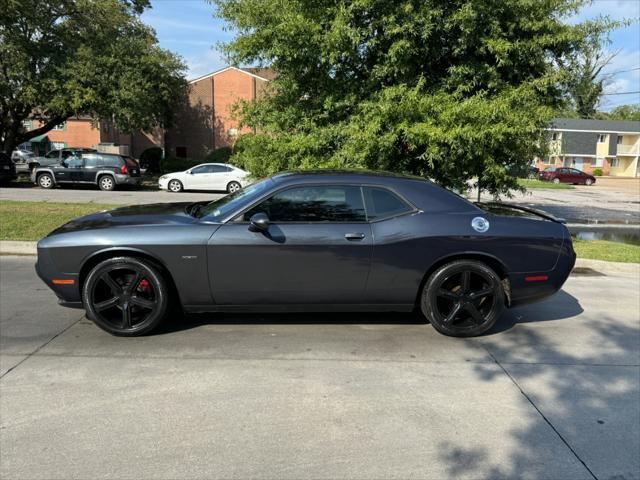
(560, 306)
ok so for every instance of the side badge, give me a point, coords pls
(480, 224)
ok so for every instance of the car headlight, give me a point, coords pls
(163, 177)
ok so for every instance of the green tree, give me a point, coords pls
(626, 112)
(586, 81)
(450, 90)
(60, 58)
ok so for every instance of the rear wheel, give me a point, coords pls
(45, 180)
(463, 298)
(588, 182)
(233, 187)
(126, 296)
(107, 183)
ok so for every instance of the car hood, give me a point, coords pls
(132, 216)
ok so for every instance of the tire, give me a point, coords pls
(126, 296)
(45, 180)
(463, 298)
(233, 187)
(107, 183)
(175, 186)
(588, 182)
(556, 181)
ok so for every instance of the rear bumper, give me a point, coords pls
(127, 180)
(529, 287)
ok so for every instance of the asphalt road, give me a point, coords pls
(552, 393)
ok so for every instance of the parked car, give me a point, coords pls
(7, 169)
(52, 157)
(566, 175)
(523, 172)
(207, 176)
(105, 170)
(346, 241)
(22, 159)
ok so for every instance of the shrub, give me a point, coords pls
(178, 164)
(220, 155)
(151, 159)
(597, 172)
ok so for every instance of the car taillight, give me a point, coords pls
(123, 169)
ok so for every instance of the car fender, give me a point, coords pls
(100, 173)
(40, 170)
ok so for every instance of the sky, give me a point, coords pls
(189, 28)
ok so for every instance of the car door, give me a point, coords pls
(219, 176)
(317, 250)
(92, 163)
(196, 179)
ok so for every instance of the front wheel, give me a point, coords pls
(233, 187)
(463, 298)
(126, 296)
(175, 186)
(556, 181)
(45, 180)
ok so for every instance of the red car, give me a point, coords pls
(566, 175)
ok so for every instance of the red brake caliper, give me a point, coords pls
(144, 286)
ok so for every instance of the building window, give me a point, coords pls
(181, 152)
(27, 125)
(60, 126)
(603, 137)
(620, 139)
(547, 161)
(598, 162)
(615, 162)
(58, 145)
(555, 136)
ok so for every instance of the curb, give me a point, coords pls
(18, 248)
(611, 268)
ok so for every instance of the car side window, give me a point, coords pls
(340, 203)
(53, 154)
(73, 162)
(382, 203)
(109, 161)
(200, 169)
(218, 169)
(91, 160)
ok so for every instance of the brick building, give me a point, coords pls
(82, 132)
(205, 123)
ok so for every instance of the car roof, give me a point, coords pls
(357, 175)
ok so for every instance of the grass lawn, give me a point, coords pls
(34, 220)
(606, 250)
(533, 183)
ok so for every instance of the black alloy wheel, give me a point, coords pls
(463, 298)
(126, 296)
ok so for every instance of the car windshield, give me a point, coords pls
(218, 209)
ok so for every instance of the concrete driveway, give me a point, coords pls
(552, 393)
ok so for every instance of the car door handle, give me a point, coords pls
(354, 236)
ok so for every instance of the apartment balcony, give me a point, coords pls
(628, 149)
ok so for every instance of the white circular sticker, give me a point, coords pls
(480, 224)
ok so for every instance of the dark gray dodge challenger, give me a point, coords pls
(309, 241)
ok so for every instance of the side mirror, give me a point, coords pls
(259, 222)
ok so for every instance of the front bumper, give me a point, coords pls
(68, 293)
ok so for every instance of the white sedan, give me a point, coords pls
(207, 176)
